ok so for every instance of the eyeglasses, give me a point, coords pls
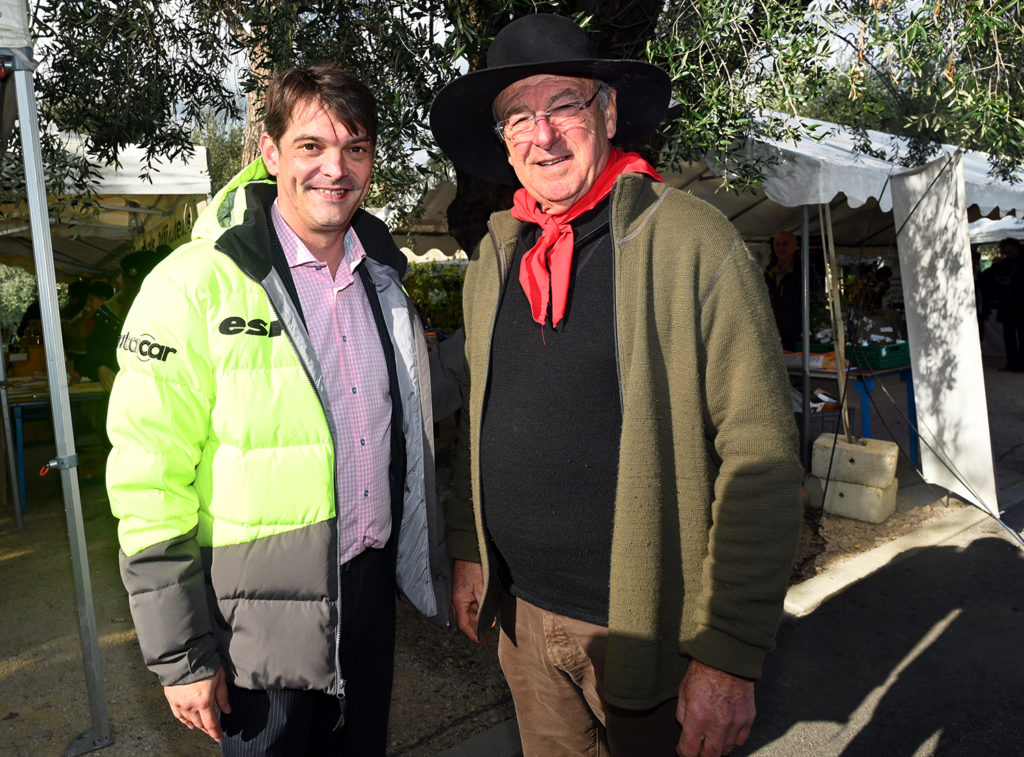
(521, 125)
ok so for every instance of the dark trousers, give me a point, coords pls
(290, 722)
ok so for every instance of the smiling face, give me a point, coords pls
(558, 166)
(323, 173)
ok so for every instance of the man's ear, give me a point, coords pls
(611, 114)
(269, 153)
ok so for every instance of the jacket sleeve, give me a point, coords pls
(756, 509)
(158, 423)
(459, 518)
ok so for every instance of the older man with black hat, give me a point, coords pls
(627, 497)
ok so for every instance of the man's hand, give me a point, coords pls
(715, 710)
(467, 593)
(195, 704)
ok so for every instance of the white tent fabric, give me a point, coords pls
(859, 190)
(14, 24)
(130, 213)
(831, 171)
(14, 36)
(942, 331)
(985, 230)
(806, 172)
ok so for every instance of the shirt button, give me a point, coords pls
(344, 338)
(366, 492)
(362, 442)
(353, 390)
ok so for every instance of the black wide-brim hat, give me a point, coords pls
(462, 118)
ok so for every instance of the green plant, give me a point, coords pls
(17, 290)
(436, 289)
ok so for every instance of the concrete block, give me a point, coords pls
(868, 462)
(866, 503)
(815, 488)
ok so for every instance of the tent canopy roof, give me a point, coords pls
(986, 230)
(129, 213)
(831, 171)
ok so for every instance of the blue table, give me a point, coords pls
(864, 385)
(31, 403)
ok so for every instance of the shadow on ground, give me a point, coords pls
(920, 658)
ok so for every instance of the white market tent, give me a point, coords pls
(988, 231)
(129, 212)
(858, 192)
(856, 187)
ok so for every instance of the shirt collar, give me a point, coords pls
(297, 254)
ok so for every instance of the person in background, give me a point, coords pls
(627, 487)
(101, 344)
(783, 279)
(77, 329)
(78, 291)
(272, 463)
(1008, 279)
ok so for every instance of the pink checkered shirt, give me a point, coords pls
(347, 344)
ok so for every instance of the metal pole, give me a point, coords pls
(10, 441)
(805, 302)
(66, 461)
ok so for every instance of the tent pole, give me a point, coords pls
(805, 316)
(11, 464)
(66, 461)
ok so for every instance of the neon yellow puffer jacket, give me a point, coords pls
(222, 468)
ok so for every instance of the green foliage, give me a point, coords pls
(729, 60)
(950, 71)
(222, 139)
(436, 289)
(17, 290)
(118, 73)
(148, 72)
(124, 72)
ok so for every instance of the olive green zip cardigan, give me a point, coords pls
(707, 502)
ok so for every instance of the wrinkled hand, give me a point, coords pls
(715, 710)
(195, 704)
(467, 593)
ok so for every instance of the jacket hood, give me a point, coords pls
(228, 205)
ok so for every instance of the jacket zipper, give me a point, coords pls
(615, 299)
(339, 681)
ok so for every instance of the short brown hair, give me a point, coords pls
(341, 93)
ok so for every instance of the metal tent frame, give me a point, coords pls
(17, 69)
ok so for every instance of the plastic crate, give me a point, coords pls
(878, 356)
(816, 347)
(824, 421)
(872, 357)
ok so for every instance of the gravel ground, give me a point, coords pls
(446, 689)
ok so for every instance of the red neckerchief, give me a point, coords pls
(544, 272)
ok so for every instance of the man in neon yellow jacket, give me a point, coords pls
(272, 462)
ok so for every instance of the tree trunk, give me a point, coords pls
(253, 129)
